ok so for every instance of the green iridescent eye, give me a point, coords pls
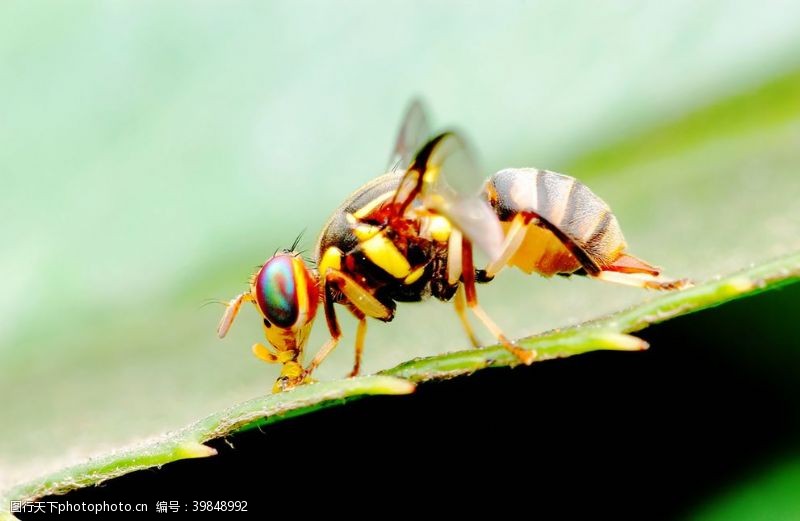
(276, 291)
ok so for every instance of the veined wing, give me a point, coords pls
(414, 133)
(445, 179)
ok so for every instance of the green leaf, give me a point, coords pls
(771, 494)
(188, 442)
(603, 334)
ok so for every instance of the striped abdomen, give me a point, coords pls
(576, 228)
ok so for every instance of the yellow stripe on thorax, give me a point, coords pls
(331, 259)
(384, 254)
(368, 208)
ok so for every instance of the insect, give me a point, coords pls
(410, 234)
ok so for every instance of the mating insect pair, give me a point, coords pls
(409, 235)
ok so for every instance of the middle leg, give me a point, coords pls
(525, 356)
(460, 304)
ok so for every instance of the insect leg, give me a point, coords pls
(361, 334)
(358, 295)
(361, 304)
(461, 310)
(333, 328)
(454, 251)
(468, 276)
(514, 237)
(642, 280)
(630, 271)
(454, 257)
(231, 311)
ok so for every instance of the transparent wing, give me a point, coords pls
(414, 133)
(445, 178)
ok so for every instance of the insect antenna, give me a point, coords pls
(209, 301)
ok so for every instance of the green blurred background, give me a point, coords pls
(153, 153)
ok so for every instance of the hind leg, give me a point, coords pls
(630, 271)
(627, 269)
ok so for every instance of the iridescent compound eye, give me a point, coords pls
(285, 292)
(276, 291)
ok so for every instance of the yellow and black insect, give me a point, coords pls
(409, 235)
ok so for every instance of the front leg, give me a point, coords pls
(361, 334)
(360, 302)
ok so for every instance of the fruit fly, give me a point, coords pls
(410, 234)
